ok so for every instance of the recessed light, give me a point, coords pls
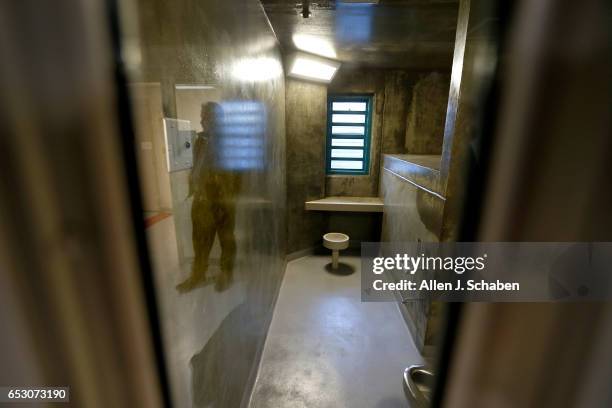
(314, 45)
(311, 67)
(257, 69)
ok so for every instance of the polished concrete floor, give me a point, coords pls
(326, 348)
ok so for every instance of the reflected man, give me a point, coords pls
(213, 211)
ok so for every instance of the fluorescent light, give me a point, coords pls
(314, 45)
(306, 66)
(257, 69)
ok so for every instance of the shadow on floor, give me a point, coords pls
(220, 371)
(343, 269)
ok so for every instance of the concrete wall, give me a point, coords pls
(213, 335)
(426, 117)
(306, 133)
(306, 111)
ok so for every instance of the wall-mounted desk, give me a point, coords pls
(347, 204)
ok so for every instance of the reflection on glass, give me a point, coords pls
(242, 129)
(354, 22)
(257, 69)
(213, 211)
(314, 45)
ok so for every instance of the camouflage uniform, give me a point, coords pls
(213, 211)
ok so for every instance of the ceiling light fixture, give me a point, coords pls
(314, 45)
(311, 67)
(257, 69)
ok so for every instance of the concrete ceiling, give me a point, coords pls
(412, 34)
